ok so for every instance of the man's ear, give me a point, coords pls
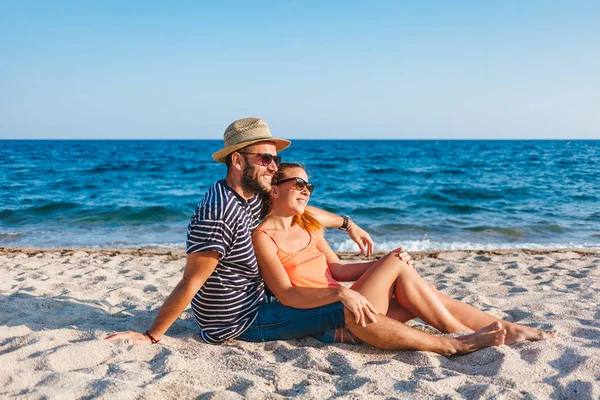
(237, 161)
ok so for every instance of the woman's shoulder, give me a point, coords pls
(263, 241)
(260, 231)
(317, 235)
(265, 230)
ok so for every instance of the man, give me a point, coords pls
(223, 283)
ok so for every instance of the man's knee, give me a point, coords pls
(350, 321)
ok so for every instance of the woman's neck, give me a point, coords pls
(278, 220)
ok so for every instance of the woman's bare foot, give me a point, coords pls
(491, 335)
(516, 333)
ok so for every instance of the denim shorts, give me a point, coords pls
(330, 337)
(278, 322)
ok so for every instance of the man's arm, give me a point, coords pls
(199, 267)
(356, 233)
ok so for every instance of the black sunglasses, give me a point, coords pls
(266, 158)
(300, 184)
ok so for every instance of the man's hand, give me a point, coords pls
(404, 256)
(130, 336)
(358, 305)
(362, 239)
(198, 268)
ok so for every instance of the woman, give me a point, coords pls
(302, 271)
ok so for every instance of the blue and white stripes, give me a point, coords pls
(227, 303)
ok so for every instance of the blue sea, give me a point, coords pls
(424, 195)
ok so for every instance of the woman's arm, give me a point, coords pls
(278, 281)
(353, 271)
(355, 232)
(341, 272)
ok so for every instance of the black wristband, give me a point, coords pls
(344, 226)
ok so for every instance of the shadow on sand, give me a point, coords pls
(60, 312)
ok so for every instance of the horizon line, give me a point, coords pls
(300, 139)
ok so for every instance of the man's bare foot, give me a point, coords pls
(516, 333)
(491, 335)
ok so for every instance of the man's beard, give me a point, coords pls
(251, 183)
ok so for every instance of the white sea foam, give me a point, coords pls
(9, 234)
(428, 244)
(158, 246)
(165, 246)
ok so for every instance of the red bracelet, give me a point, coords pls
(152, 338)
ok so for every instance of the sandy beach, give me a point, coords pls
(57, 305)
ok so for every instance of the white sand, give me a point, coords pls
(57, 305)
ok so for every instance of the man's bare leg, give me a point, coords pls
(476, 319)
(390, 334)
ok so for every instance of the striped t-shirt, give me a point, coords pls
(227, 303)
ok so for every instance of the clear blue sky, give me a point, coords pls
(322, 69)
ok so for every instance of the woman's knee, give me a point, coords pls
(394, 260)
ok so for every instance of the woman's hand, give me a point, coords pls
(362, 239)
(130, 336)
(404, 256)
(358, 305)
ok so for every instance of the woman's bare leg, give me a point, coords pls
(477, 319)
(399, 313)
(390, 274)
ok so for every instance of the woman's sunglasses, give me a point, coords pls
(265, 158)
(300, 184)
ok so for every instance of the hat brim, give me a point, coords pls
(221, 155)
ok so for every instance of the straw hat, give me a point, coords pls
(244, 132)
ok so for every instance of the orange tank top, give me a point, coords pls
(306, 267)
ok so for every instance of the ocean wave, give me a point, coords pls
(404, 227)
(474, 193)
(35, 212)
(593, 217)
(452, 171)
(373, 211)
(107, 168)
(584, 197)
(464, 208)
(166, 246)
(193, 170)
(10, 237)
(499, 231)
(77, 214)
(453, 194)
(53, 207)
(151, 245)
(435, 197)
(382, 171)
(433, 245)
(132, 215)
